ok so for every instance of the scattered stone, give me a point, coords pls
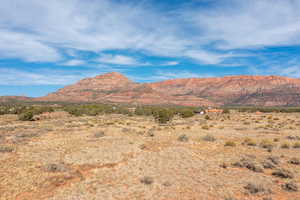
(283, 173)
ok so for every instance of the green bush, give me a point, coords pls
(27, 116)
(226, 111)
(163, 115)
(186, 113)
(207, 117)
(146, 111)
(95, 109)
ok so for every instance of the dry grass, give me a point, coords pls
(119, 157)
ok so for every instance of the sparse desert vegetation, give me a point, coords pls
(116, 152)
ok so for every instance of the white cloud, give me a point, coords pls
(19, 45)
(170, 63)
(205, 57)
(165, 75)
(117, 59)
(11, 76)
(74, 63)
(282, 66)
(249, 23)
(36, 31)
(91, 25)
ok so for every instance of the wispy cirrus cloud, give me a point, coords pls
(74, 62)
(117, 59)
(26, 47)
(107, 25)
(162, 75)
(233, 24)
(13, 76)
(206, 33)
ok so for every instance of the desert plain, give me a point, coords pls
(236, 156)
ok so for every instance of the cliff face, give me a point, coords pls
(237, 90)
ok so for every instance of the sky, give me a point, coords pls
(45, 45)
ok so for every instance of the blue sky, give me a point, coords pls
(45, 45)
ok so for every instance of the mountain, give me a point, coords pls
(6, 99)
(231, 90)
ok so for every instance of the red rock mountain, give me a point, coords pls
(5, 99)
(232, 90)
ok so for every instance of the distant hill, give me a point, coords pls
(231, 90)
(7, 99)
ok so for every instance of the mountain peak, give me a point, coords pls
(230, 90)
(112, 75)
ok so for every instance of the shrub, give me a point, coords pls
(296, 145)
(183, 138)
(27, 116)
(249, 142)
(163, 116)
(226, 111)
(230, 144)
(205, 127)
(267, 144)
(267, 164)
(99, 134)
(283, 173)
(294, 161)
(6, 149)
(285, 145)
(249, 163)
(209, 138)
(147, 180)
(254, 188)
(186, 113)
(207, 117)
(290, 187)
(55, 168)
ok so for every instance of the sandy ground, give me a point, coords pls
(134, 158)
